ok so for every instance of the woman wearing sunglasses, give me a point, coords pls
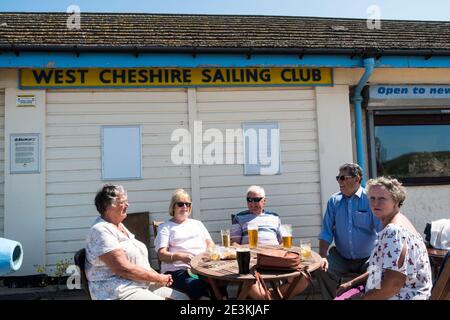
(178, 241)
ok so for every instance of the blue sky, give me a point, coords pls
(389, 9)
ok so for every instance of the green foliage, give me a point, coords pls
(39, 268)
(59, 270)
(61, 267)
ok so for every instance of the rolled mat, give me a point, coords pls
(11, 256)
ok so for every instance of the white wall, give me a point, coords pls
(295, 193)
(74, 120)
(335, 136)
(25, 193)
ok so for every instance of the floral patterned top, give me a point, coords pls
(416, 266)
(104, 237)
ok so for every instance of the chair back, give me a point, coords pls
(155, 225)
(139, 224)
(441, 288)
(80, 260)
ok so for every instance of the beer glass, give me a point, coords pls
(252, 229)
(225, 238)
(214, 255)
(286, 233)
(305, 248)
(243, 260)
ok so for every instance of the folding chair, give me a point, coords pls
(155, 225)
(80, 260)
(441, 288)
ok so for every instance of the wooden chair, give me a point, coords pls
(441, 288)
(139, 224)
(80, 260)
(155, 225)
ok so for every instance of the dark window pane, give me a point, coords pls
(412, 151)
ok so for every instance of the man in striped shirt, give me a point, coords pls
(268, 222)
(268, 234)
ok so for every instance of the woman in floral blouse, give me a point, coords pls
(399, 267)
(117, 266)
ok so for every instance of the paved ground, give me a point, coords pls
(62, 293)
(41, 293)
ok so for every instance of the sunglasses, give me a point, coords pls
(182, 204)
(342, 178)
(254, 199)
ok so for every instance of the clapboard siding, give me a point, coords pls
(295, 193)
(2, 161)
(74, 121)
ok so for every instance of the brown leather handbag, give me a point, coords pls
(278, 260)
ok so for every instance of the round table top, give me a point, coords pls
(228, 269)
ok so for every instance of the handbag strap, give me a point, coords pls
(262, 287)
(304, 272)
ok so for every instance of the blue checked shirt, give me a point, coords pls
(352, 225)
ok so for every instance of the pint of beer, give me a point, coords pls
(287, 241)
(252, 229)
(225, 237)
(286, 233)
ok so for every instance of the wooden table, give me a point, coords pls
(227, 271)
(436, 257)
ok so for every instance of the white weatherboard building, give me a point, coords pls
(81, 108)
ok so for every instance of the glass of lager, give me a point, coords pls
(305, 248)
(252, 229)
(225, 237)
(286, 233)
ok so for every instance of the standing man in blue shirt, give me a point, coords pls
(351, 224)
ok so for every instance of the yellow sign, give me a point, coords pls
(172, 77)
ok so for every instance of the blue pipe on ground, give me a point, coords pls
(357, 100)
(11, 256)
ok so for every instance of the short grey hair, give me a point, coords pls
(353, 169)
(257, 189)
(107, 196)
(393, 186)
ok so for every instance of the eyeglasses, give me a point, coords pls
(182, 204)
(254, 199)
(342, 178)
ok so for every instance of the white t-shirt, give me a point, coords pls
(104, 237)
(189, 236)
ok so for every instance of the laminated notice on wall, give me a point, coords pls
(25, 153)
(26, 100)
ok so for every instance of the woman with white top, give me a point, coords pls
(178, 241)
(117, 264)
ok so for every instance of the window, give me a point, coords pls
(411, 145)
(261, 148)
(121, 152)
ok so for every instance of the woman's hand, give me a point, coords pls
(344, 287)
(324, 264)
(165, 279)
(184, 257)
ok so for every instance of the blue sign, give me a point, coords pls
(384, 92)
